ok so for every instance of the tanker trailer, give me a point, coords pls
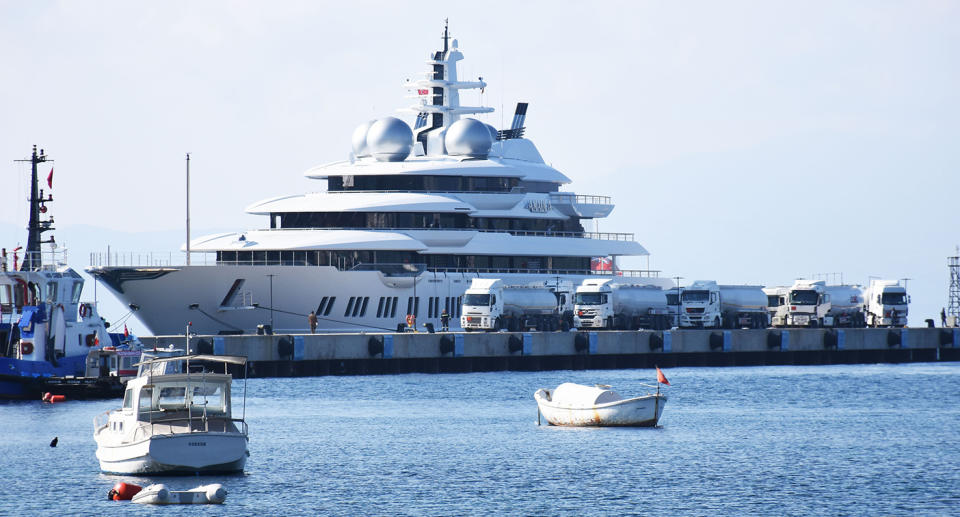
(704, 304)
(603, 304)
(489, 304)
(846, 306)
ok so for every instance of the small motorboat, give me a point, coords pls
(176, 419)
(160, 494)
(579, 405)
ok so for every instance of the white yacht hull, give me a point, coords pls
(635, 412)
(164, 296)
(172, 454)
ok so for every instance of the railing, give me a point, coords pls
(579, 199)
(149, 258)
(44, 260)
(606, 236)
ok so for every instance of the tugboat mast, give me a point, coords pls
(35, 228)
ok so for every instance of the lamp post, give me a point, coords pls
(271, 301)
(678, 278)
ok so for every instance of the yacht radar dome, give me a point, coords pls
(390, 140)
(359, 139)
(468, 137)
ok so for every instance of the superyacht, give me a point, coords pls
(402, 228)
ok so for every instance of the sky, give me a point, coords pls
(743, 142)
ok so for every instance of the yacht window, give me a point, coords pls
(416, 306)
(329, 305)
(430, 307)
(6, 297)
(77, 289)
(51, 292)
(380, 307)
(173, 397)
(363, 310)
(128, 399)
(356, 306)
(459, 305)
(393, 310)
(410, 305)
(323, 303)
(349, 306)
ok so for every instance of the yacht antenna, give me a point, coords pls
(188, 209)
(446, 35)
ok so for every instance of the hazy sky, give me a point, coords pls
(747, 142)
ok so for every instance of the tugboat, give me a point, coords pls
(45, 330)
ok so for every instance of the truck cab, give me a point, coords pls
(700, 305)
(805, 304)
(482, 305)
(593, 307)
(886, 304)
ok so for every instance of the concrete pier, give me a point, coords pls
(284, 355)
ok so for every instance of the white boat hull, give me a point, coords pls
(160, 494)
(635, 412)
(164, 297)
(204, 453)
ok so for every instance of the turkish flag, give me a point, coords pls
(661, 378)
(126, 333)
(50, 178)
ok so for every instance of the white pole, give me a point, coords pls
(188, 209)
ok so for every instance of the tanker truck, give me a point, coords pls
(885, 304)
(704, 304)
(491, 305)
(603, 304)
(805, 304)
(846, 305)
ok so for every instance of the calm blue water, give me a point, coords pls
(824, 440)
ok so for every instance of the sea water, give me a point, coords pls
(811, 440)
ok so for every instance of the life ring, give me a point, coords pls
(411, 320)
(26, 348)
(84, 310)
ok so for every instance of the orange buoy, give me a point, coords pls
(57, 398)
(123, 491)
(46, 397)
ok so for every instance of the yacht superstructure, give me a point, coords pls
(404, 225)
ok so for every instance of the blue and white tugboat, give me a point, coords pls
(45, 330)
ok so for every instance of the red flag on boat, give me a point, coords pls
(126, 333)
(50, 178)
(661, 378)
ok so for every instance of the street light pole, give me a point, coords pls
(678, 278)
(271, 301)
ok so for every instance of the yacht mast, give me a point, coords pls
(36, 227)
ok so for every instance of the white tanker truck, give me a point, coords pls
(705, 304)
(804, 304)
(846, 305)
(603, 304)
(491, 305)
(885, 304)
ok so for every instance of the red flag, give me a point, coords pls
(661, 378)
(126, 333)
(50, 178)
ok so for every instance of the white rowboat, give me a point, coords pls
(578, 405)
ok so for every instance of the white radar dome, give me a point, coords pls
(359, 139)
(390, 140)
(493, 132)
(468, 137)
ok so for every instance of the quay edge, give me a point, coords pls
(299, 355)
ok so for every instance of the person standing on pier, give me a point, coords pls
(312, 319)
(444, 321)
(943, 317)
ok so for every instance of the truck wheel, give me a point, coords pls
(497, 325)
(565, 325)
(716, 322)
(610, 323)
(814, 323)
